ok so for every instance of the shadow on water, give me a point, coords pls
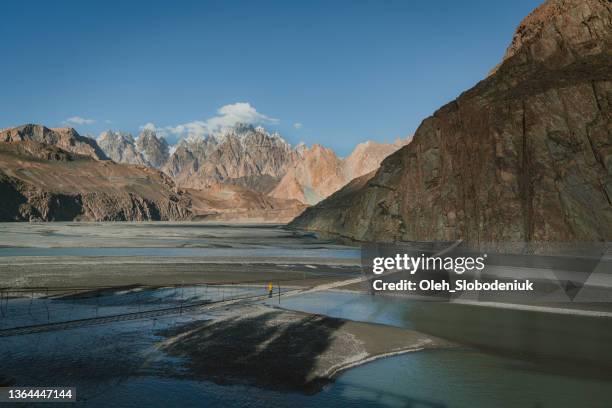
(270, 354)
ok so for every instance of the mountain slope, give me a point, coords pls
(525, 155)
(42, 182)
(64, 138)
(223, 202)
(154, 150)
(318, 172)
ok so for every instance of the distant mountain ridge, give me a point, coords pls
(233, 154)
(251, 157)
(147, 149)
(56, 174)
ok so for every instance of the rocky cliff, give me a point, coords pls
(153, 149)
(65, 138)
(41, 182)
(525, 155)
(120, 147)
(148, 149)
(232, 156)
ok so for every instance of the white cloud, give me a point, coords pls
(149, 126)
(227, 116)
(77, 120)
(297, 125)
(161, 132)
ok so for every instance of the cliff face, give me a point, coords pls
(40, 182)
(525, 155)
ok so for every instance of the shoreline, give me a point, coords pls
(282, 349)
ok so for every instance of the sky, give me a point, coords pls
(330, 72)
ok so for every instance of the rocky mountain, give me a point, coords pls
(120, 147)
(318, 172)
(250, 157)
(43, 182)
(367, 157)
(525, 155)
(148, 149)
(65, 138)
(242, 173)
(240, 155)
(153, 149)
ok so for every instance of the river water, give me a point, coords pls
(90, 358)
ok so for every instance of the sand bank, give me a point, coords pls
(279, 349)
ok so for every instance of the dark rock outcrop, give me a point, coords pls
(525, 155)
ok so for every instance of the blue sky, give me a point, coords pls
(329, 72)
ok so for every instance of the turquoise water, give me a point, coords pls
(117, 364)
(433, 379)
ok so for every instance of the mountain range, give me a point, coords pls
(241, 173)
(249, 157)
